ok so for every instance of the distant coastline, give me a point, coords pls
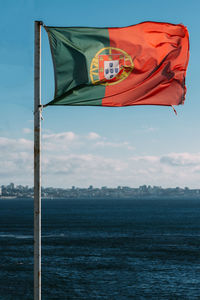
(121, 192)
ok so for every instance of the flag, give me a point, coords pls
(143, 64)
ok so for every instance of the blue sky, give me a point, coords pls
(90, 145)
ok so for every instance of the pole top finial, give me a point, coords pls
(40, 22)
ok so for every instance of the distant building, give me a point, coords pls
(11, 186)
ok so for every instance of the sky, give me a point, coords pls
(82, 146)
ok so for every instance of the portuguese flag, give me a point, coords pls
(143, 64)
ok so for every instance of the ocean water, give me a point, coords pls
(102, 249)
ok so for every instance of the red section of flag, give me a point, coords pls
(160, 53)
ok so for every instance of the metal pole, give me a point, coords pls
(37, 162)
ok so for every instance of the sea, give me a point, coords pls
(102, 249)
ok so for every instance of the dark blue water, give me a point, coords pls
(102, 249)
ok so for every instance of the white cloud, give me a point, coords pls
(15, 144)
(104, 143)
(63, 141)
(150, 129)
(93, 136)
(63, 136)
(27, 130)
(110, 144)
(146, 129)
(71, 159)
(181, 159)
(16, 161)
(145, 158)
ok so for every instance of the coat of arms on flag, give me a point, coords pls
(111, 69)
(110, 66)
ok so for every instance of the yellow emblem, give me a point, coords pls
(110, 66)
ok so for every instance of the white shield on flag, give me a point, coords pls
(111, 68)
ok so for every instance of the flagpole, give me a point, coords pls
(37, 161)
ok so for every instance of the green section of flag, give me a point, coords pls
(72, 51)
